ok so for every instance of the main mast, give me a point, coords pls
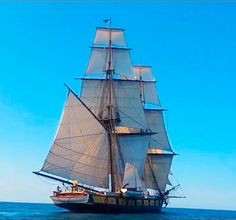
(109, 123)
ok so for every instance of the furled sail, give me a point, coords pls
(80, 149)
(131, 177)
(157, 167)
(155, 121)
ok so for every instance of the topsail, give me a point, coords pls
(110, 41)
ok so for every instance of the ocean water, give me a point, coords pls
(31, 211)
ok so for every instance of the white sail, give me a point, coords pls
(145, 72)
(155, 121)
(120, 61)
(126, 100)
(91, 94)
(150, 93)
(133, 149)
(98, 62)
(147, 84)
(80, 149)
(102, 37)
(131, 177)
(129, 105)
(157, 169)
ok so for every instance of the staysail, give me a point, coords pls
(80, 149)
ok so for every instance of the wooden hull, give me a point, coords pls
(113, 204)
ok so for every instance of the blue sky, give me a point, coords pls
(191, 47)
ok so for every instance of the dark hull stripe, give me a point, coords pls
(137, 206)
(101, 208)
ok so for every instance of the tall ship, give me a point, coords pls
(111, 151)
